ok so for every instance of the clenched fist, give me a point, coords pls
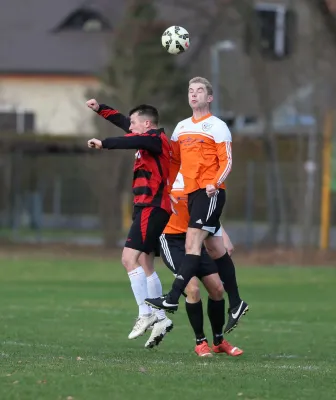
(95, 144)
(93, 104)
(210, 190)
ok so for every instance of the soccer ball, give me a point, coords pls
(175, 40)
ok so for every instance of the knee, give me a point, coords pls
(215, 249)
(193, 293)
(128, 262)
(125, 261)
(147, 263)
(193, 243)
(217, 292)
(192, 248)
(213, 253)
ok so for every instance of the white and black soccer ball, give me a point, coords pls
(175, 40)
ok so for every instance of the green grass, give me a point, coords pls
(54, 311)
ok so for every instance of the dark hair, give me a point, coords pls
(148, 111)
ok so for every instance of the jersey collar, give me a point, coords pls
(196, 121)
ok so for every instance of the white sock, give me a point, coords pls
(154, 288)
(139, 287)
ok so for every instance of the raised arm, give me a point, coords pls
(144, 141)
(109, 113)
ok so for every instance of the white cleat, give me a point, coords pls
(141, 325)
(159, 331)
(150, 328)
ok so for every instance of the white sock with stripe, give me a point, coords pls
(139, 287)
(154, 288)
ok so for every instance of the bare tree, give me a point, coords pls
(308, 65)
(139, 72)
(263, 82)
(210, 17)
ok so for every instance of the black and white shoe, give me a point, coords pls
(160, 329)
(162, 303)
(234, 316)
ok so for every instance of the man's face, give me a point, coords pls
(139, 123)
(198, 96)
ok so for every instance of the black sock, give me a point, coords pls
(187, 270)
(195, 315)
(227, 273)
(216, 313)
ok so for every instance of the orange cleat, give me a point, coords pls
(203, 350)
(226, 347)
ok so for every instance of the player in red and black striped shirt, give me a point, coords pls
(152, 206)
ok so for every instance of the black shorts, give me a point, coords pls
(173, 251)
(148, 224)
(204, 211)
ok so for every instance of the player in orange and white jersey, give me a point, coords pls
(201, 150)
(172, 243)
(201, 147)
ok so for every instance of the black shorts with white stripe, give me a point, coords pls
(204, 211)
(172, 248)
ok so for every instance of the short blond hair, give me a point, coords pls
(204, 81)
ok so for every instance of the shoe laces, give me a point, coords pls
(166, 297)
(226, 344)
(138, 323)
(203, 345)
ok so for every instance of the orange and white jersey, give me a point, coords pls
(178, 223)
(201, 150)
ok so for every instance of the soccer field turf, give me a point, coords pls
(64, 327)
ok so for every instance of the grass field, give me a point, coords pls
(64, 327)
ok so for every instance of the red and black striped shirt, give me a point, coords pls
(151, 167)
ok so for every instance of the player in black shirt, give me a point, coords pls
(152, 207)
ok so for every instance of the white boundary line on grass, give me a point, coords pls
(22, 344)
(294, 367)
(276, 356)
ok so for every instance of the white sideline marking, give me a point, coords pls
(300, 367)
(279, 330)
(69, 309)
(14, 343)
(270, 322)
(271, 329)
(277, 356)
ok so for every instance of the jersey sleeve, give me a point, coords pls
(145, 141)
(114, 116)
(175, 161)
(223, 140)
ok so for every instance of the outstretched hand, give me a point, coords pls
(93, 104)
(95, 144)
